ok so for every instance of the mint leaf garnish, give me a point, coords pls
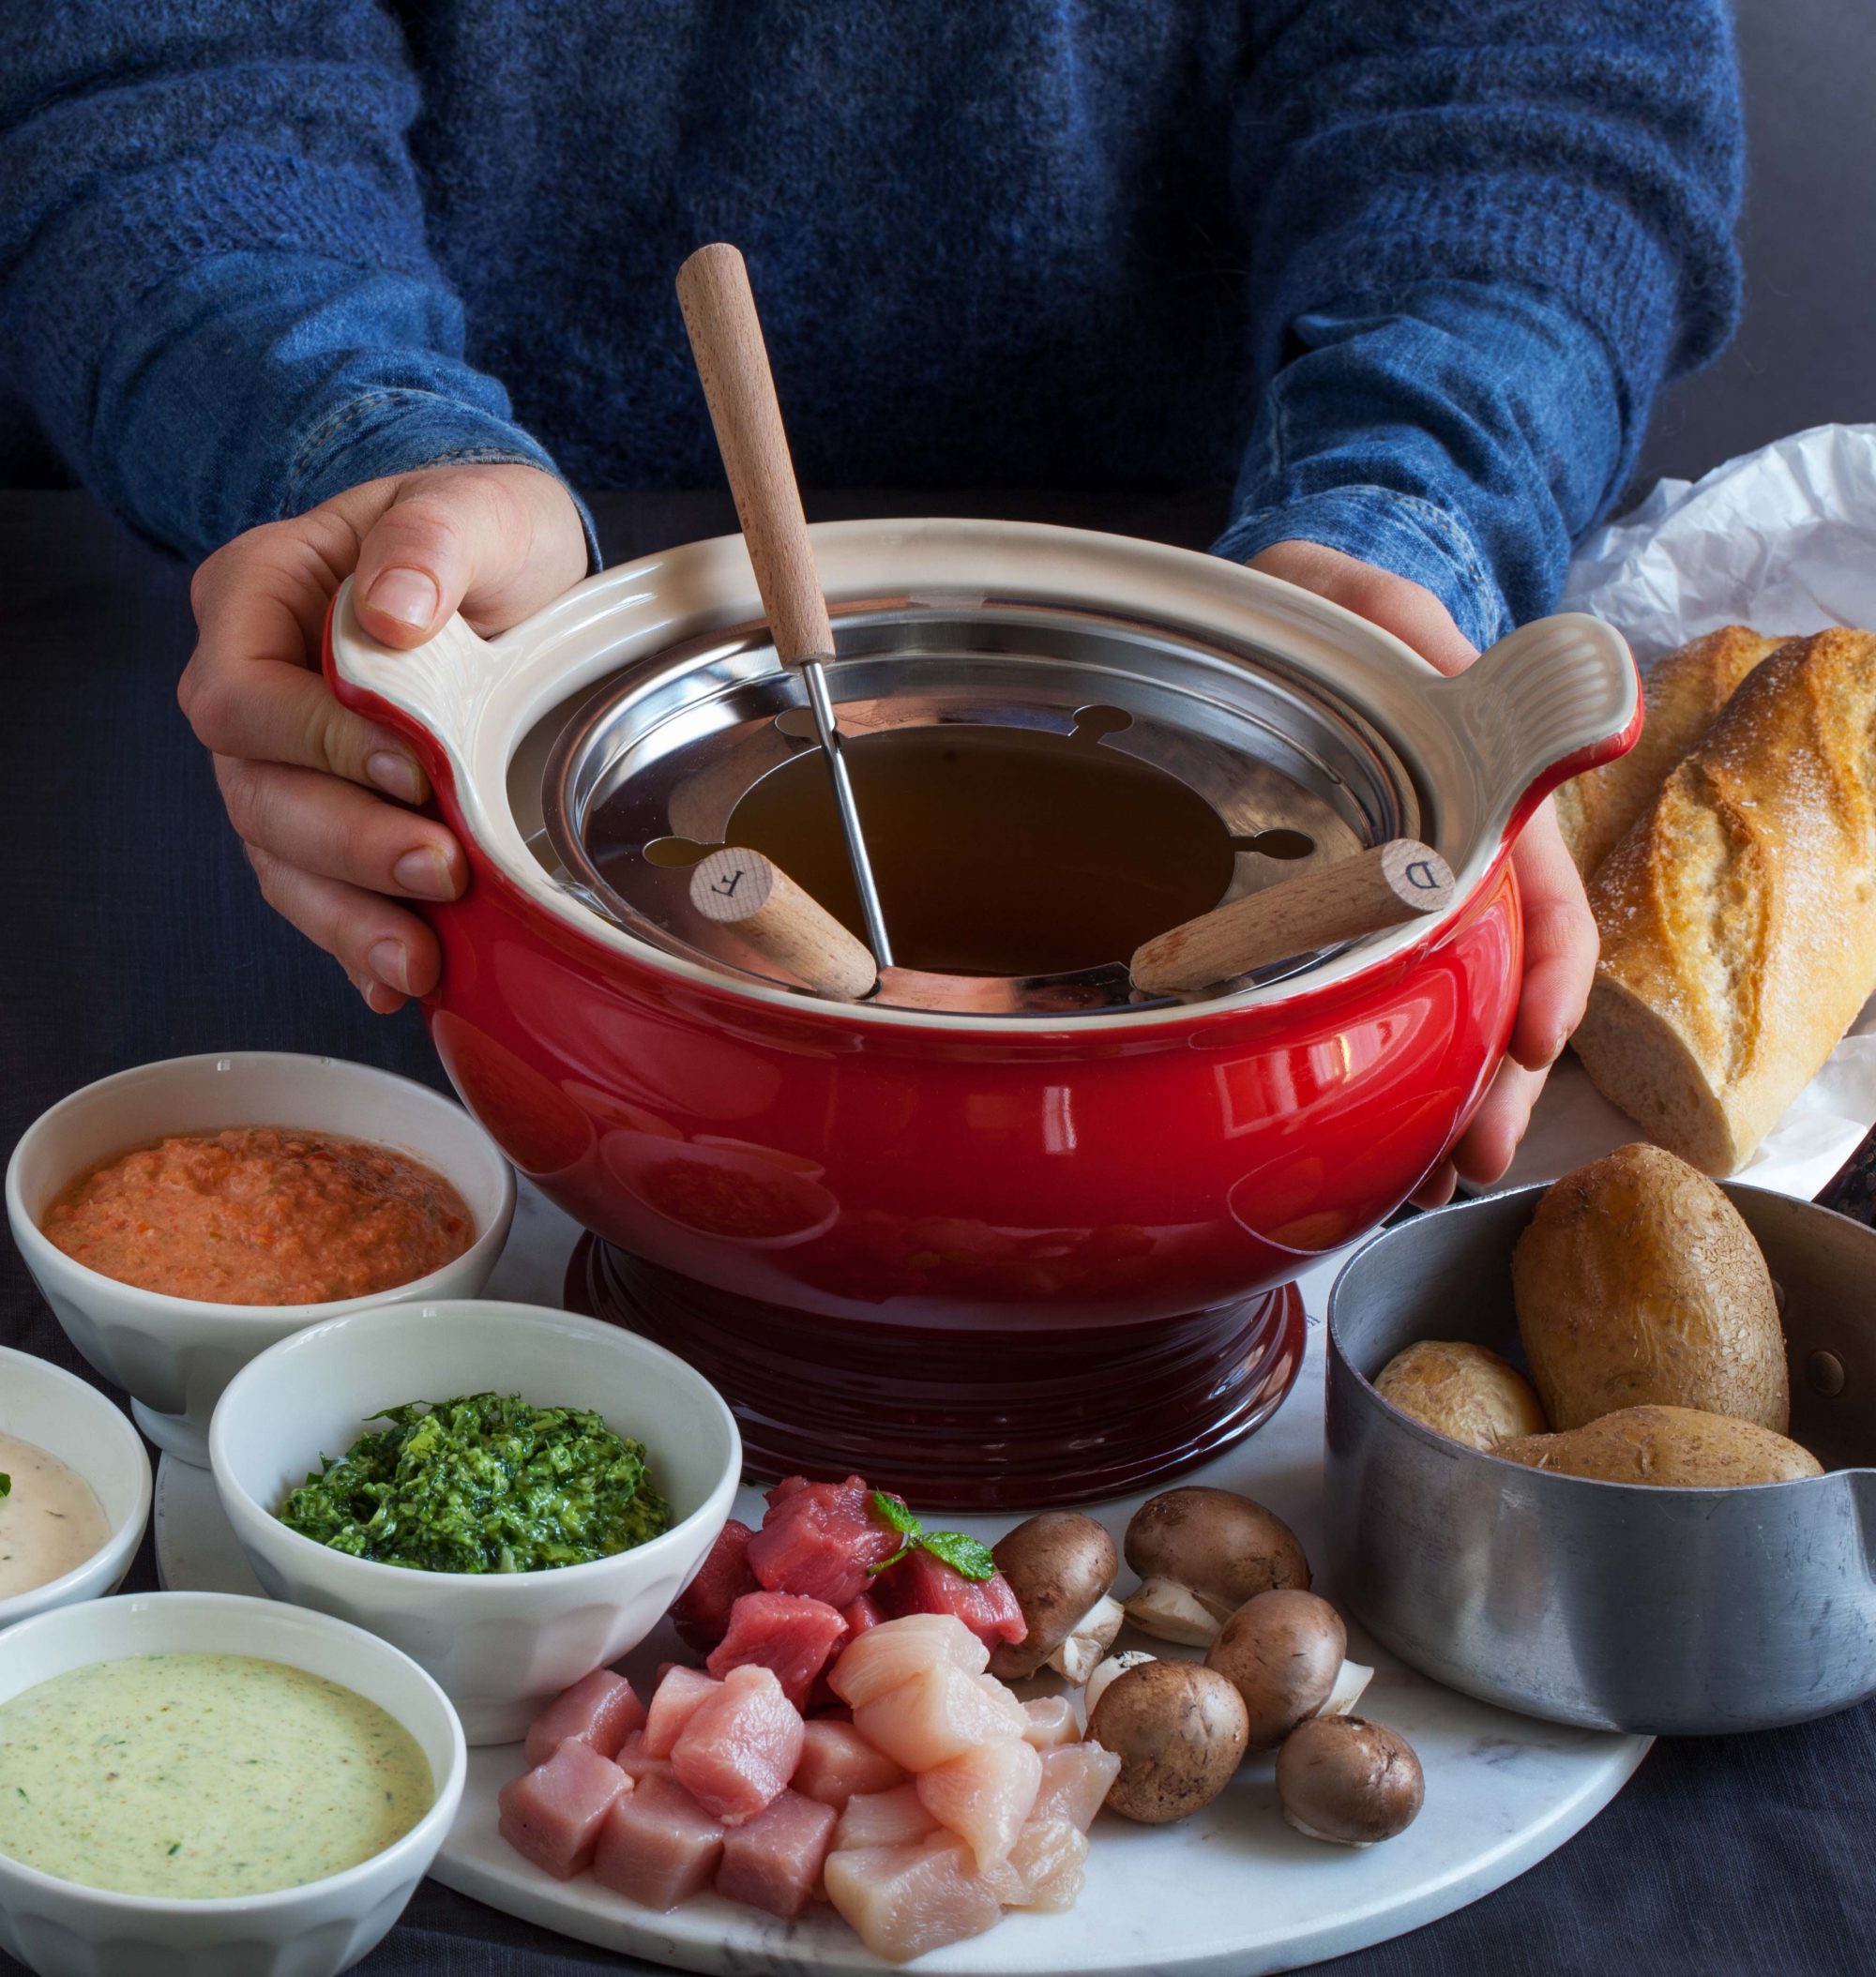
(896, 1514)
(964, 1555)
(6, 1484)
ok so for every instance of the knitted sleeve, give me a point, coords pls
(215, 290)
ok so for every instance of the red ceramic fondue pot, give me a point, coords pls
(1015, 1252)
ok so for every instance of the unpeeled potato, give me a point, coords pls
(1638, 1284)
(1462, 1391)
(1677, 1447)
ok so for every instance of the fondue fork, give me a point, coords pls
(1384, 886)
(726, 340)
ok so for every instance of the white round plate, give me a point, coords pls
(1233, 1892)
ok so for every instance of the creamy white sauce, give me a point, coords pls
(50, 1520)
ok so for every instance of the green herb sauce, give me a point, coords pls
(486, 1483)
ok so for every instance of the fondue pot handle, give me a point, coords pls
(1557, 697)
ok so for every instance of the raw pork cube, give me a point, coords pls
(701, 1614)
(938, 1716)
(659, 1847)
(922, 1582)
(601, 1710)
(680, 1692)
(884, 1818)
(632, 1758)
(1075, 1783)
(1045, 1866)
(784, 1631)
(1050, 1722)
(554, 1813)
(985, 1796)
(885, 1656)
(740, 1748)
(837, 1761)
(821, 1540)
(903, 1901)
(774, 1862)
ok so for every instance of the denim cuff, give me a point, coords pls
(1402, 533)
(398, 430)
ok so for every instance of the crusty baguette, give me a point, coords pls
(1681, 694)
(1738, 914)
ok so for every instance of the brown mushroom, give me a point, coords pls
(1059, 1566)
(1178, 1729)
(1282, 1652)
(1345, 1779)
(1200, 1554)
(1110, 1671)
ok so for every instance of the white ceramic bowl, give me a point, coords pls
(62, 1929)
(175, 1355)
(56, 1411)
(502, 1645)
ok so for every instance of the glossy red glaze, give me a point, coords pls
(806, 1188)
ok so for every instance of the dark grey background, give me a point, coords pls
(1805, 354)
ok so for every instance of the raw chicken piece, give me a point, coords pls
(599, 1710)
(658, 1846)
(740, 1748)
(633, 1759)
(903, 1901)
(792, 1635)
(884, 1818)
(936, 1716)
(922, 1582)
(774, 1862)
(680, 1693)
(1045, 1866)
(1050, 1722)
(701, 1614)
(1075, 1782)
(885, 1656)
(837, 1761)
(821, 1540)
(984, 1797)
(554, 1813)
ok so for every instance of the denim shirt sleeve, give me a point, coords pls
(1463, 437)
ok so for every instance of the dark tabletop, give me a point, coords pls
(130, 928)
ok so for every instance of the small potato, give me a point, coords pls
(1464, 1391)
(1638, 1285)
(1678, 1447)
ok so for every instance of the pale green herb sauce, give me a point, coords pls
(200, 1775)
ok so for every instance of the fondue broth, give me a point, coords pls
(193, 1776)
(996, 851)
(50, 1520)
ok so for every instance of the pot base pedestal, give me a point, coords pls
(964, 1419)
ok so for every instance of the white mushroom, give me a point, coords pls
(1345, 1779)
(1200, 1554)
(1059, 1566)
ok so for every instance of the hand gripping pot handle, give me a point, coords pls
(1557, 697)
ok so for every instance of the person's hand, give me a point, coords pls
(307, 784)
(1560, 939)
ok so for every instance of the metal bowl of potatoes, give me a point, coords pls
(1626, 1606)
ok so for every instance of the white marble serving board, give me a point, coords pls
(1233, 1892)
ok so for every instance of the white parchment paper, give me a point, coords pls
(1783, 540)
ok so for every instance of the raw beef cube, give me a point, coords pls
(740, 1748)
(554, 1813)
(783, 1632)
(922, 1582)
(884, 1818)
(861, 1614)
(1051, 1722)
(837, 1761)
(1075, 1783)
(822, 1541)
(1045, 1866)
(679, 1693)
(903, 1901)
(659, 1847)
(601, 1710)
(774, 1862)
(984, 1797)
(787, 1487)
(701, 1614)
(885, 1656)
(935, 1717)
(632, 1758)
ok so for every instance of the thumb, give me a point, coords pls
(493, 542)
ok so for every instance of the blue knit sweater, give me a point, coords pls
(1409, 271)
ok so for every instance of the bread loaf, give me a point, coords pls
(1681, 696)
(1738, 914)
